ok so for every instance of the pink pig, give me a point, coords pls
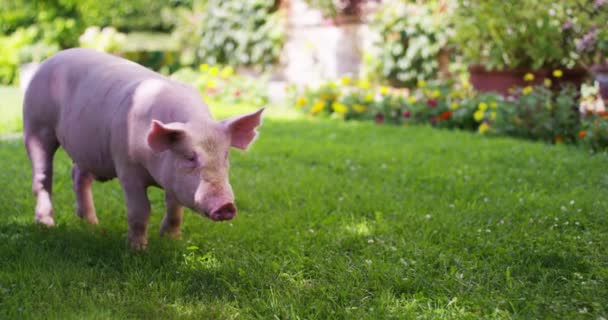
(116, 118)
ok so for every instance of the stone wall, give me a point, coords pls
(317, 49)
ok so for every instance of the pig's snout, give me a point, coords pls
(226, 211)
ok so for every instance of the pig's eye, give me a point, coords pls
(192, 160)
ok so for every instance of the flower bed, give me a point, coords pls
(221, 83)
(537, 112)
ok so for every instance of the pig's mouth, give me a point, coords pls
(224, 212)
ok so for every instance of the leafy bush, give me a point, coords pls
(22, 46)
(541, 113)
(411, 38)
(124, 15)
(241, 33)
(106, 39)
(510, 34)
(222, 84)
(594, 131)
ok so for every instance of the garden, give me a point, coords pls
(456, 170)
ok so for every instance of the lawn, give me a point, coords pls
(336, 221)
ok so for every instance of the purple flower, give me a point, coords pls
(599, 3)
(567, 25)
(587, 42)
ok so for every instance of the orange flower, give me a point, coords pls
(582, 134)
(445, 115)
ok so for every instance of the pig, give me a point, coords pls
(117, 119)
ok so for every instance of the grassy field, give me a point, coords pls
(336, 221)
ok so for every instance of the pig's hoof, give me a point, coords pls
(92, 219)
(171, 234)
(45, 220)
(138, 245)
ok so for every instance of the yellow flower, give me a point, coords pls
(493, 105)
(203, 67)
(456, 94)
(547, 82)
(483, 128)
(364, 84)
(493, 115)
(227, 72)
(421, 83)
(369, 97)
(454, 105)
(411, 99)
(527, 90)
(482, 106)
(558, 73)
(528, 77)
(339, 108)
(301, 101)
(345, 80)
(210, 84)
(214, 71)
(325, 96)
(478, 115)
(383, 90)
(359, 108)
(318, 106)
(466, 85)
(331, 84)
(435, 94)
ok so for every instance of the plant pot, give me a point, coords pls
(575, 77)
(502, 80)
(600, 72)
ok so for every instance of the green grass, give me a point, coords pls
(336, 221)
(10, 109)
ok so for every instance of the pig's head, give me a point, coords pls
(194, 160)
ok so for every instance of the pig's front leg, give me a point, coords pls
(138, 211)
(172, 222)
(85, 208)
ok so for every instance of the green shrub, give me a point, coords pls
(511, 34)
(542, 114)
(594, 131)
(60, 16)
(411, 38)
(241, 33)
(22, 46)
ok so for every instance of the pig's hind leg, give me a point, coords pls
(83, 181)
(41, 146)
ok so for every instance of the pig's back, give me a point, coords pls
(91, 99)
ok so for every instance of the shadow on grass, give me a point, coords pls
(86, 270)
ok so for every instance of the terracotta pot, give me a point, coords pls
(600, 72)
(575, 77)
(502, 80)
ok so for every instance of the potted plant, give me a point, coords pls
(505, 40)
(592, 42)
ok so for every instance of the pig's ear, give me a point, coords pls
(163, 136)
(242, 128)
